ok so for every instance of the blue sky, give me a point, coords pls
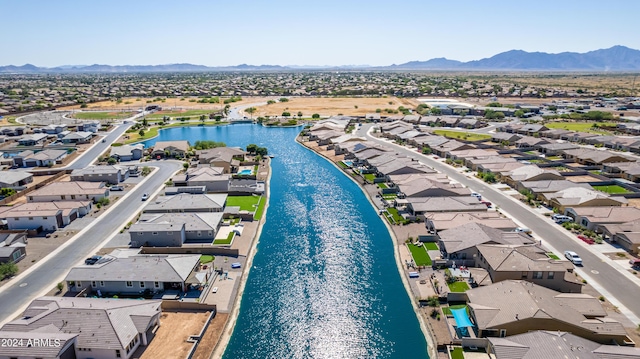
(304, 32)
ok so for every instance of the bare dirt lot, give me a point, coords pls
(168, 103)
(170, 340)
(331, 106)
(325, 106)
(211, 336)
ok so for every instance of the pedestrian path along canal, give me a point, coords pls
(324, 283)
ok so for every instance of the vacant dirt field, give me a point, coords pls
(211, 336)
(170, 340)
(169, 103)
(331, 106)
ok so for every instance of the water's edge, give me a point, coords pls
(428, 335)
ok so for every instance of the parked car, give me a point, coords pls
(145, 196)
(635, 262)
(573, 257)
(116, 188)
(563, 219)
(477, 195)
(92, 260)
(486, 203)
(522, 230)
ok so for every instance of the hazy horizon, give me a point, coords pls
(314, 33)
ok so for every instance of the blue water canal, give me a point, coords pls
(324, 282)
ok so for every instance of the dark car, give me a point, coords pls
(92, 260)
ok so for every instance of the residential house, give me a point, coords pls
(127, 152)
(185, 203)
(13, 246)
(49, 215)
(401, 166)
(246, 187)
(228, 158)
(532, 129)
(414, 119)
(595, 217)
(504, 137)
(581, 197)
(32, 140)
(591, 157)
(422, 187)
(54, 129)
(627, 170)
(527, 262)
(116, 329)
(69, 191)
(555, 133)
(214, 179)
(556, 148)
(445, 148)
(339, 142)
(470, 123)
(15, 179)
(440, 221)
(174, 149)
(129, 273)
(418, 206)
(460, 243)
(525, 307)
(448, 121)
(374, 117)
(62, 345)
(510, 128)
(530, 173)
(173, 229)
(44, 158)
(579, 137)
(529, 142)
(538, 188)
(77, 137)
(555, 345)
(502, 168)
(323, 138)
(89, 126)
(627, 234)
(109, 174)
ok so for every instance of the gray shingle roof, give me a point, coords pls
(111, 324)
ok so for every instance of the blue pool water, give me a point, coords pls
(245, 172)
(324, 283)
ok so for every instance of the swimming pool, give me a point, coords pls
(348, 163)
(245, 172)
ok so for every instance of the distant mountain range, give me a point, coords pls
(616, 58)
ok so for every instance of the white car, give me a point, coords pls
(214, 290)
(573, 257)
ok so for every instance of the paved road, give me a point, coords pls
(92, 154)
(15, 295)
(625, 290)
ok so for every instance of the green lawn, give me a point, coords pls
(342, 165)
(369, 177)
(457, 353)
(225, 241)
(389, 196)
(382, 185)
(174, 114)
(419, 255)
(469, 136)
(102, 115)
(432, 246)
(135, 136)
(579, 126)
(260, 209)
(553, 256)
(458, 287)
(205, 258)
(554, 158)
(246, 203)
(447, 310)
(615, 189)
(395, 216)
